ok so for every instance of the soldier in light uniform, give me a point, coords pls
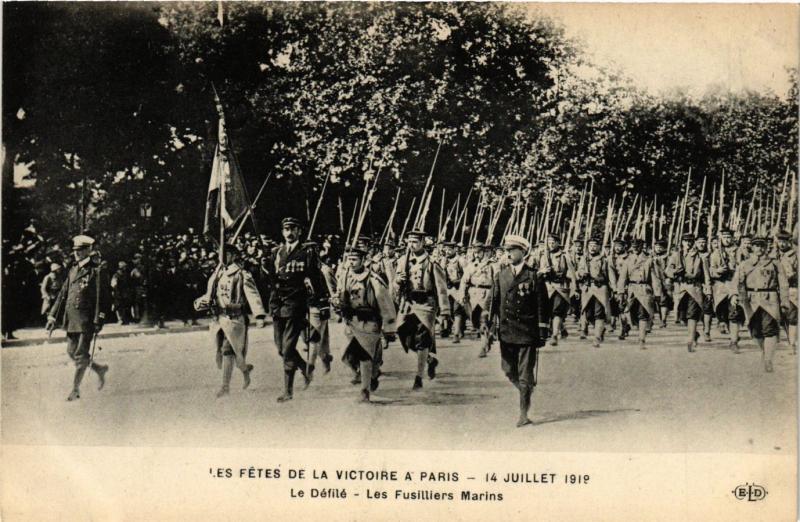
(722, 265)
(368, 310)
(701, 245)
(788, 248)
(476, 294)
(79, 308)
(422, 287)
(297, 279)
(639, 282)
(595, 274)
(231, 294)
(454, 272)
(520, 307)
(690, 271)
(660, 258)
(619, 254)
(764, 295)
(559, 275)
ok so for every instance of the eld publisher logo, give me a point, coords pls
(750, 492)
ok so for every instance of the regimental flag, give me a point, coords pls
(226, 178)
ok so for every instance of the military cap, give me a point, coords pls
(725, 230)
(82, 241)
(783, 235)
(661, 242)
(578, 240)
(291, 222)
(554, 236)
(595, 239)
(54, 266)
(688, 237)
(449, 243)
(418, 234)
(759, 240)
(746, 235)
(621, 241)
(515, 241)
(354, 251)
(637, 242)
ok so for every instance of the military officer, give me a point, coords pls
(231, 294)
(559, 275)
(722, 265)
(764, 295)
(79, 308)
(520, 307)
(598, 279)
(690, 272)
(475, 293)
(369, 313)
(297, 278)
(422, 287)
(638, 279)
(788, 249)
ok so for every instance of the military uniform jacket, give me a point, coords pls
(789, 265)
(597, 278)
(426, 293)
(639, 278)
(558, 273)
(762, 283)
(454, 272)
(296, 274)
(694, 281)
(660, 265)
(368, 308)
(521, 305)
(475, 289)
(721, 267)
(232, 290)
(83, 297)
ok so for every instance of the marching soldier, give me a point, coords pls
(454, 272)
(79, 309)
(575, 255)
(520, 306)
(559, 275)
(368, 310)
(422, 287)
(722, 265)
(51, 286)
(691, 273)
(701, 244)
(319, 339)
(619, 255)
(297, 280)
(640, 285)
(789, 263)
(764, 295)
(475, 291)
(595, 274)
(660, 258)
(231, 294)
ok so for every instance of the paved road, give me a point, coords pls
(161, 392)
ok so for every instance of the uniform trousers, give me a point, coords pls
(287, 331)
(518, 362)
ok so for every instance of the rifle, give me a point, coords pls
(408, 216)
(427, 184)
(390, 221)
(319, 203)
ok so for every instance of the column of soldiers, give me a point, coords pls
(380, 294)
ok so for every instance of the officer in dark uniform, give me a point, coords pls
(297, 278)
(521, 305)
(79, 308)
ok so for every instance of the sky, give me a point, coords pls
(691, 47)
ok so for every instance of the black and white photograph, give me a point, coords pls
(399, 260)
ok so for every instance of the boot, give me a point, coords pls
(432, 364)
(417, 383)
(524, 406)
(101, 370)
(483, 352)
(246, 375)
(76, 384)
(288, 383)
(308, 376)
(364, 396)
(735, 347)
(326, 362)
(356, 378)
(227, 373)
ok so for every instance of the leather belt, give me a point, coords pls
(761, 289)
